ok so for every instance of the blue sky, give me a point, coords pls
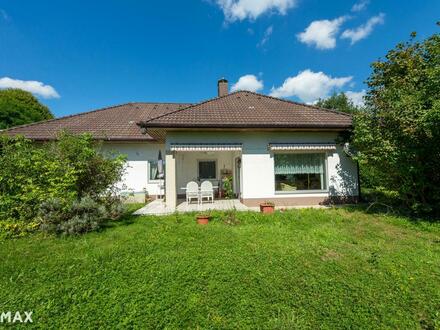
(82, 55)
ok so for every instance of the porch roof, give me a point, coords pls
(301, 146)
(206, 147)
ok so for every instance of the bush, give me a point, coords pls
(61, 178)
(80, 216)
(96, 173)
(16, 229)
(29, 175)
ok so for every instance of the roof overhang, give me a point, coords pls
(149, 125)
(97, 138)
(159, 133)
(301, 146)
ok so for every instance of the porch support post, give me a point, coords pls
(170, 180)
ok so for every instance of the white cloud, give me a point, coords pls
(322, 34)
(364, 30)
(248, 82)
(309, 86)
(356, 97)
(250, 9)
(360, 5)
(266, 36)
(35, 87)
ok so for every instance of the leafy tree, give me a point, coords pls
(338, 102)
(18, 107)
(398, 134)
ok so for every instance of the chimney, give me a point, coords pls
(222, 86)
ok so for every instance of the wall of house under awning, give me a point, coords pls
(258, 176)
(257, 163)
(187, 165)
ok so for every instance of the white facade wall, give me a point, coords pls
(257, 162)
(135, 180)
(342, 178)
(258, 177)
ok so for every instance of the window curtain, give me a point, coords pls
(299, 163)
(153, 170)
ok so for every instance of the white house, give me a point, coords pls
(272, 149)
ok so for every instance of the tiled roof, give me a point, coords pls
(236, 110)
(250, 110)
(112, 123)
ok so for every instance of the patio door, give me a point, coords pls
(237, 176)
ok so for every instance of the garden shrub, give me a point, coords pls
(114, 206)
(96, 173)
(29, 175)
(16, 229)
(67, 173)
(78, 217)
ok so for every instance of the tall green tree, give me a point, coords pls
(338, 102)
(18, 107)
(398, 134)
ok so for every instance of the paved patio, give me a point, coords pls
(158, 207)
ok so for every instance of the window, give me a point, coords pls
(153, 173)
(299, 172)
(207, 169)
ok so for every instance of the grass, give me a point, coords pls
(308, 268)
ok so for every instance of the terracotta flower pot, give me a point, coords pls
(267, 208)
(203, 219)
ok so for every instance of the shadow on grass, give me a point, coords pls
(380, 204)
(126, 219)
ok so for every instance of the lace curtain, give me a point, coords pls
(299, 163)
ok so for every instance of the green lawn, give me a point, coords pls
(298, 269)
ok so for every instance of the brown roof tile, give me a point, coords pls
(236, 110)
(112, 123)
(247, 109)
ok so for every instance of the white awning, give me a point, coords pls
(301, 146)
(206, 147)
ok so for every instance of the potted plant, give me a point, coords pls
(227, 190)
(203, 218)
(267, 207)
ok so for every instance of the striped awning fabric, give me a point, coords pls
(206, 147)
(301, 146)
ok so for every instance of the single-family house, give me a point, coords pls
(270, 149)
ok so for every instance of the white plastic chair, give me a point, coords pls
(192, 191)
(206, 191)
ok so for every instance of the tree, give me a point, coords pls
(398, 134)
(18, 107)
(338, 102)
